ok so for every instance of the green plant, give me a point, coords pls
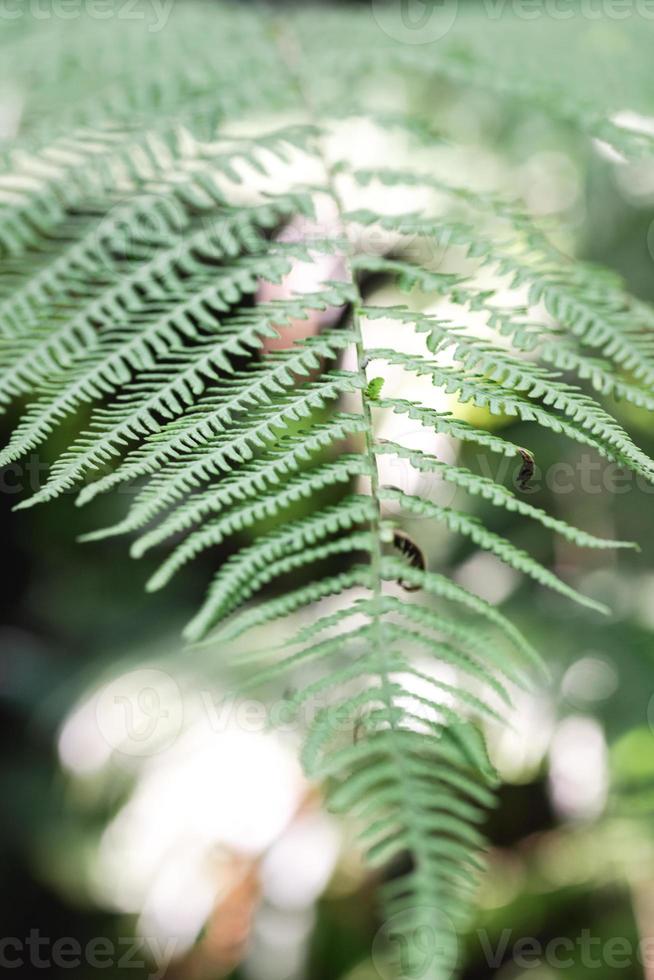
(130, 259)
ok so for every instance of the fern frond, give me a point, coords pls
(496, 493)
(253, 478)
(164, 393)
(463, 524)
(171, 167)
(590, 424)
(190, 467)
(264, 507)
(137, 224)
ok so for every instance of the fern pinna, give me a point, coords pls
(137, 224)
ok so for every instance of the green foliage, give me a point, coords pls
(373, 389)
(130, 260)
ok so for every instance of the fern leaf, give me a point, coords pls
(137, 224)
